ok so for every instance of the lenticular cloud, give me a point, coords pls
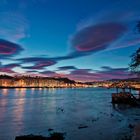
(8, 49)
(97, 37)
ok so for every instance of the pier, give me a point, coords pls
(125, 96)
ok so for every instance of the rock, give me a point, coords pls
(50, 129)
(112, 115)
(60, 109)
(82, 126)
(31, 137)
(93, 120)
(56, 136)
(131, 126)
(53, 136)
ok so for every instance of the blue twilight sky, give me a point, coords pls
(84, 40)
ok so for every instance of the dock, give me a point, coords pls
(125, 97)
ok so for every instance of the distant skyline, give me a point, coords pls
(84, 40)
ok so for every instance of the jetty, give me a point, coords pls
(124, 94)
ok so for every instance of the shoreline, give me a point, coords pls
(44, 87)
(136, 89)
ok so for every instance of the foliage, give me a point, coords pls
(135, 62)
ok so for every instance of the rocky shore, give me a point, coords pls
(53, 136)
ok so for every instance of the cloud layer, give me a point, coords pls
(97, 37)
(38, 62)
(104, 74)
(13, 26)
(67, 68)
(8, 68)
(8, 49)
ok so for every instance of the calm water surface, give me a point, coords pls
(26, 111)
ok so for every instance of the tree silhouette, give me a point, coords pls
(135, 62)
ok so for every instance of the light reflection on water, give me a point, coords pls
(25, 111)
(5, 91)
